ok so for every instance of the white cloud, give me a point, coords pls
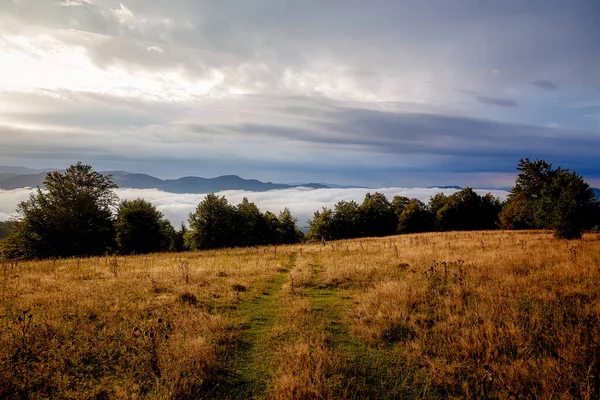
(157, 49)
(69, 67)
(126, 17)
(76, 3)
(9, 199)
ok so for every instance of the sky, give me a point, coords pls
(382, 93)
(302, 202)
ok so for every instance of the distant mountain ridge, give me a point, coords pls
(130, 180)
(22, 177)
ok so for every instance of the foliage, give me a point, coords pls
(141, 228)
(465, 210)
(251, 224)
(347, 220)
(413, 216)
(217, 224)
(379, 218)
(212, 222)
(288, 231)
(544, 197)
(5, 228)
(178, 240)
(272, 228)
(321, 225)
(72, 217)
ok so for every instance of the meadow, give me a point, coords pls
(486, 314)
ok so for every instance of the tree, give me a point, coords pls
(491, 207)
(569, 205)
(415, 217)
(321, 225)
(523, 208)
(289, 232)
(250, 224)
(465, 210)
(548, 198)
(141, 228)
(378, 216)
(399, 203)
(5, 228)
(178, 241)
(437, 203)
(272, 230)
(71, 217)
(212, 223)
(346, 221)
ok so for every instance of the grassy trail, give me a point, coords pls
(370, 372)
(249, 369)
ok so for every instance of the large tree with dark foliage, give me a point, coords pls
(465, 210)
(522, 209)
(216, 224)
(347, 221)
(320, 226)
(288, 231)
(212, 224)
(550, 198)
(413, 215)
(142, 229)
(71, 217)
(250, 225)
(378, 216)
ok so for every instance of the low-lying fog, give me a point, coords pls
(302, 202)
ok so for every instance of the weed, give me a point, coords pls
(114, 266)
(184, 270)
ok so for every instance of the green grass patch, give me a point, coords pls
(247, 366)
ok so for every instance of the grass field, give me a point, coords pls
(441, 315)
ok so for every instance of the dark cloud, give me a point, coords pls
(497, 102)
(543, 84)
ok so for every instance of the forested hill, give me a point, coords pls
(190, 184)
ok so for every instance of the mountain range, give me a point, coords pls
(20, 177)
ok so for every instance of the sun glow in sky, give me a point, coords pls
(396, 93)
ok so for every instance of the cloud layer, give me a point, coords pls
(397, 93)
(302, 202)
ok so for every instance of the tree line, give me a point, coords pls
(79, 214)
(543, 198)
(378, 216)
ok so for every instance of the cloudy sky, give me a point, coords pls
(377, 93)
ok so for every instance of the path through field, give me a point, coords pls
(453, 315)
(252, 370)
(248, 369)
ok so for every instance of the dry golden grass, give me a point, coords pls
(484, 314)
(304, 363)
(439, 315)
(123, 327)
